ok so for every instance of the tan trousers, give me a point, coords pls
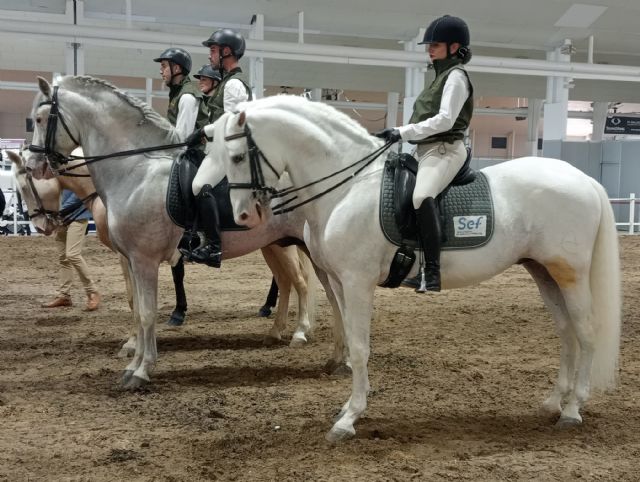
(438, 164)
(70, 241)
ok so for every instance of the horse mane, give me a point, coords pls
(90, 84)
(317, 114)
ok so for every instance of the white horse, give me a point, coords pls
(289, 264)
(133, 187)
(549, 217)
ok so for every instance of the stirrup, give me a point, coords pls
(207, 255)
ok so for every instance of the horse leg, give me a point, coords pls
(578, 302)
(272, 299)
(145, 300)
(271, 256)
(554, 301)
(338, 364)
(355, 298)
(296, 273)
(177, 272)
(129, 347)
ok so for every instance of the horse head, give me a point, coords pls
(41, 195)
(252, 177)
(50, 141)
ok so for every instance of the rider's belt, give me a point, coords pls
(448, 136)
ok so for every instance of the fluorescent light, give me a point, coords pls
(580, 16)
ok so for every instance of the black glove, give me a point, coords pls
(196, 138)
(390, 135)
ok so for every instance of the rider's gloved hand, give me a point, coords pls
(390, 135)
(196, 138)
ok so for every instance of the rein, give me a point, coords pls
(56, 158)
(257, 184)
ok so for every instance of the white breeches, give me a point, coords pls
(438, 164)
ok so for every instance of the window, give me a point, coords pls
(29, 124)
(539, 144)
(498, 143)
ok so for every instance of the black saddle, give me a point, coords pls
(181, 203)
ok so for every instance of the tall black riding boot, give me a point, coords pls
(209, 222)
(430, 237)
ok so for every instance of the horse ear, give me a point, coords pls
(15, 158)
(45, 86)
(242, 118)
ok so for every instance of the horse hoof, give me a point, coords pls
(336, 435)
(177, 318)
(125, 352)
(564, 423)
(265, 311)
(136, 383)
(297, 341)
(126, 376)
(337, 369)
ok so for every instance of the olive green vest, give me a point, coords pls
(176, 92)
(216, 101)
(427, 104)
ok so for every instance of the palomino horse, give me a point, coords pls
(288, 264)
(109, 124)
(549, 217)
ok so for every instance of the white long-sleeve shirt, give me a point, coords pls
(234, 93)
(187, 116)
(454, 95)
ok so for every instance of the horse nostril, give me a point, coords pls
(244, 216)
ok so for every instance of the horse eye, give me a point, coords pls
(38, 120)
(238, 158)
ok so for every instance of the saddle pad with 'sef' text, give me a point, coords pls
(466, 213)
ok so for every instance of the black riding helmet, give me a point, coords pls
(229, 38)
(207, 71)
(449, 30)
(177, 56)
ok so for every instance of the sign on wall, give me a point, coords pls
(620, 124)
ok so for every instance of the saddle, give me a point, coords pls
(181, 203)
(465, 206)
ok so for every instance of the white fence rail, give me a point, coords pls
(632, 227)
(12, 226)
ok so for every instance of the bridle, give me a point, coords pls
(62, 217)
(50, 216)
(261, 191)
(54, 157)
(57, 159)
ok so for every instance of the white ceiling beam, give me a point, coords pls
(142, 39)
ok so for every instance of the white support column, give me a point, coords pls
(74, 59)
(600, 111)
(556, 108)
(534, 109)
(128, 12)
(413, 82)
(392, 109)
(148, 88)
(316, 94)
(256, 64)
(300, 27)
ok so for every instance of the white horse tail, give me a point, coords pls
(306, 268)
(606, 298)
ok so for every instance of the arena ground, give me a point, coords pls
(457, 379)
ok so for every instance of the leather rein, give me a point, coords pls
(260, 189)
(57, 159)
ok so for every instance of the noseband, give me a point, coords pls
(54, 157)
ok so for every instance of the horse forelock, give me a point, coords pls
(93, 87)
